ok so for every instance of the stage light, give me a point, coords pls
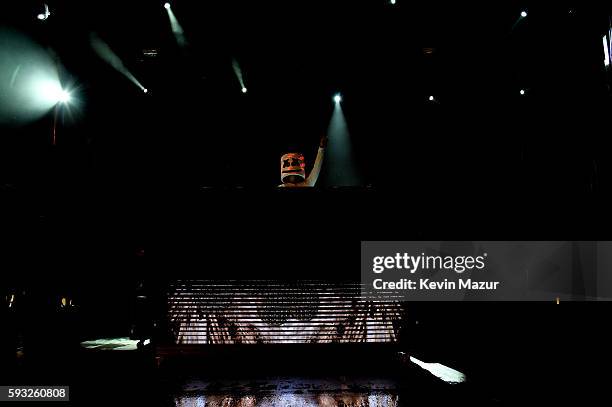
(30, 84)
(522, 92)
(606, 50)
(51, 92)
(341, 165)
(392, 1)
(145, 90)
(431, 98)
(445, 373)
(238, 73)
(523, 14)
(108, 55)
(63, 97)
(177, 29)
(45, 15)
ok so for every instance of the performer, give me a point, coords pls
(293, 168)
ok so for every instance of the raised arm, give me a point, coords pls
(316, 168)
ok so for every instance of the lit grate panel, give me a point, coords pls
(251, 312)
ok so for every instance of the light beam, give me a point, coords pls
(340, 166)
(107, 54)
(238, 73)
(31, 85)
(177, 30)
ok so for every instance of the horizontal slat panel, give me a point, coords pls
(271, 311)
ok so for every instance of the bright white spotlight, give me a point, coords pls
(145, 90)
(45, 15)
(522, 92)
(523, 14)
(51, 92)
(431, 98)
(63, 97)
(392, 1)
(166, 5)
(338, 98)
(244, 90)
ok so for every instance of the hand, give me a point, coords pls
(323, 142)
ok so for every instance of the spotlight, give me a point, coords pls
(244, 90)
(338, 98)
(431, 98)
(107, 54)
(393, 1)
(145, 90)
(45, 15)
(177, 30)
(51, 92)
(523, 14)
(63, 96)
(522, 92)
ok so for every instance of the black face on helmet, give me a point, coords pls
(293, 168)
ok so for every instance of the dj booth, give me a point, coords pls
(275, 323)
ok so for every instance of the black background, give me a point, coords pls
(145, 186)
(196, 128)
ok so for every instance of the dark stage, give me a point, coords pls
(186, 191)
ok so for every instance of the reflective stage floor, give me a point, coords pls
(415, 388)
(289, 391)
